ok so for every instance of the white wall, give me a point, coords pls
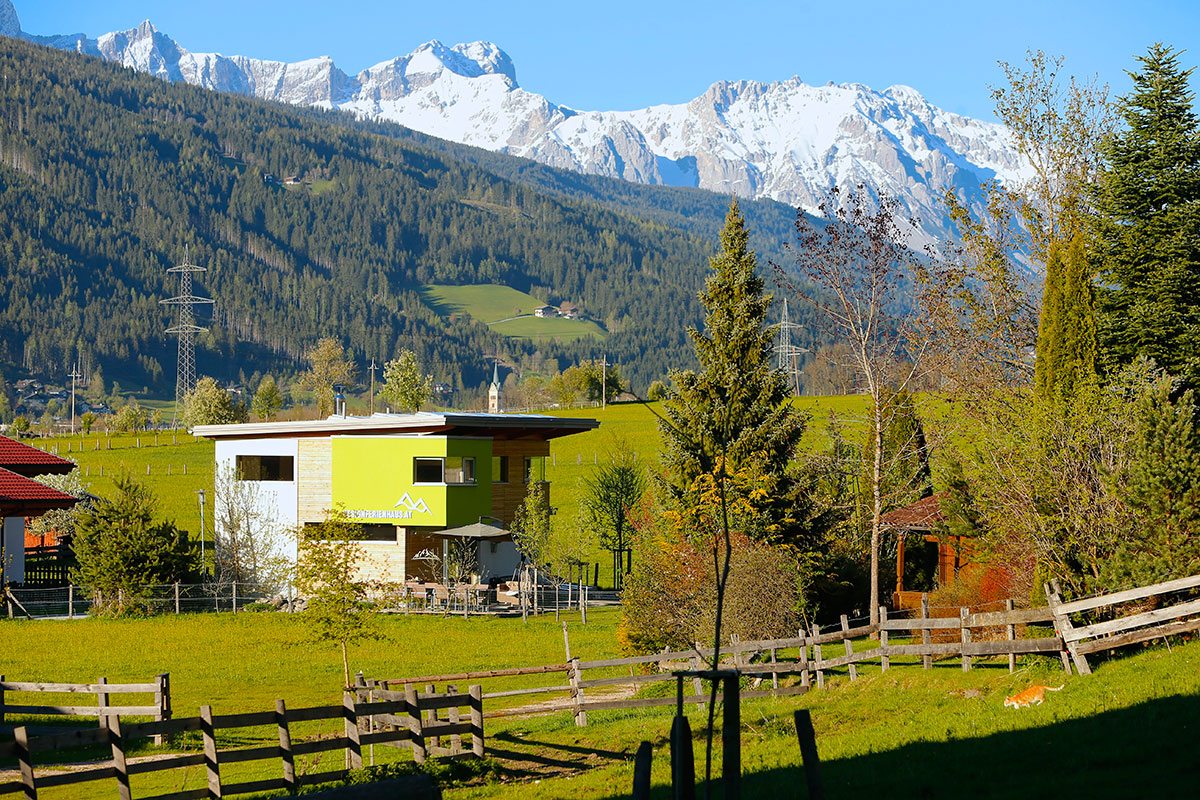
(14, 550)
(280, 497)
(502, 562)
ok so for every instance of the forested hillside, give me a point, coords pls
(107, 175)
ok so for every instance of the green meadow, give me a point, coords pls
(1125, 731)
(507, 311)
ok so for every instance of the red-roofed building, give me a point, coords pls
(24, 460)
(940, 558)
(22, 497)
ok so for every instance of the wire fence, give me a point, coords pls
(178, 598)
(71, 601)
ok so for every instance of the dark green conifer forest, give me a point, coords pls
(106, 176)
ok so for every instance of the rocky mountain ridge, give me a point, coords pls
(784, 140)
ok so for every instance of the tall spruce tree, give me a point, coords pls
(737, 405)
(1150, 212)
(1066, 345)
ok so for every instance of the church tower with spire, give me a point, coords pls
(495, 405)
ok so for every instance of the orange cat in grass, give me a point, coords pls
(1033, 696)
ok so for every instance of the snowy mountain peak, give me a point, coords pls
(471, 60)
(785, 140)
(10, 24)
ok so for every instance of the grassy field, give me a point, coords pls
(180, 465)
(559, 328)
(174, 465)
(507, 311)
(1128, 730)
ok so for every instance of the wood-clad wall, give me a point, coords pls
(314, 479)
(506, 497)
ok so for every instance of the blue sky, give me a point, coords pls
(622, 54)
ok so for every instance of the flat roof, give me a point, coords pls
(503, 426)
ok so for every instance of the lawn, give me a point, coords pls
(538, 329)
(174, 465)
(1128, 730)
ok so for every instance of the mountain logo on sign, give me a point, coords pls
(414, 506)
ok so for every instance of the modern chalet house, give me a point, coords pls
(409, 479)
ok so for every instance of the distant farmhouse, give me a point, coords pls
(545, 311)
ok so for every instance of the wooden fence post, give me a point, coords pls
(808, 754)
(285, 745)
(1, 699)
(211, 765)
(120, 768)
(683, 764)
(177, 598)
(234, 596)
(885, 661)
(476, 693)
(774, 675)
(817, 660)
(455, 738)
(731, 738)
(70, 601)
(21, 737)
(102, 703)
(926, 638)
(162, 699)
(966, 637)
(1010, 632)
(1062, 624)
(696, 664)
(415, 725)
(805, 679)
(350, 716)
(849, 645)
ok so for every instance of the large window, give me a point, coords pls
(449, 470)
(499, 469)
(427, 470)
(266, 468)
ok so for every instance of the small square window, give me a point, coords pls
(499, 469)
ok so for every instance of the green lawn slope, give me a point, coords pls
(506, 311)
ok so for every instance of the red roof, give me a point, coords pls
(28, 461)
(22, 496)
(922, 515)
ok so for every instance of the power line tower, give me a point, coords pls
(787, 355)
(186, 329)
(74, 376)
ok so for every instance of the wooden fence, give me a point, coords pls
(1098, 635)
(407, 719)
(103, 710)
(810, 655)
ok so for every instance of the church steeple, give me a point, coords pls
(494, 401)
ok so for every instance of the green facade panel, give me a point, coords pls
(373, 480)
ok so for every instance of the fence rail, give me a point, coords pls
(427, 723)
(807, 657)
(103, 710)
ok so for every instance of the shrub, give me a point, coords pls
(670, 597)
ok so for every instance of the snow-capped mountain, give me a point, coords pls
(784, 140)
